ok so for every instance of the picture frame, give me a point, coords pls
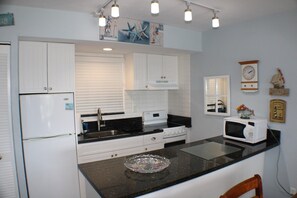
(278, 110)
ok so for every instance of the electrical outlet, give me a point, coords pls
(292, 190)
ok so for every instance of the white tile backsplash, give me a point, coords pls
(179, 101)
(139, 101)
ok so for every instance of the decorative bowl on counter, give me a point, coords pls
(147, 163)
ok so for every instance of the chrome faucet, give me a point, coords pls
(99, 118)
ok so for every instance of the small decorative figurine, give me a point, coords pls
(278, 79)
(278, 82)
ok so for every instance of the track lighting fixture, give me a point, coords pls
(155, 7)
(188, 13)
(215, 20)
(115, 10)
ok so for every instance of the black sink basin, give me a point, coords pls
(104, 134)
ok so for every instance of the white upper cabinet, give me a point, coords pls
(151, 71)
(46, 67)
(136, 71)
(162, 72)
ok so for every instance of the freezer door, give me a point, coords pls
(46, 115)
(51, 167)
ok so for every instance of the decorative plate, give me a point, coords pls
(147, 163)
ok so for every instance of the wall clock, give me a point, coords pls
(278, 110)
(249, 76)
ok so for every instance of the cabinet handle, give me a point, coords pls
(0, 157)
(115, 155)
(164, 77)
(145, 149)
(153, 138)
(146, 86)
(50, 88)
(44, 88)
(111, 155)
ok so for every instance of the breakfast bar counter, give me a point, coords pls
(110, 178)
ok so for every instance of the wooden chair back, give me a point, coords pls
(244, 187)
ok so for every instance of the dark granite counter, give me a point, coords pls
(130, 127)
(82, 139)
(110, 178)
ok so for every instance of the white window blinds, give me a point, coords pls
(99, 83)
(8, 185)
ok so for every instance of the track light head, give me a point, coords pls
(115, 10)
(155, 7)
(102, 19)
(188, 13)
(215, 20)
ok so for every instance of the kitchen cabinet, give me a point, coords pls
(46, 67)
(162, 71)
(101, 150)
(136, 71)
(151, 72)
(153, 142)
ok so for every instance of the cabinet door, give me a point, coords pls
(153, 138)
(170, 69)
(153, 147)
(154, 64)
(140, 71)
(129, 151)
(61, 67)
(32, 67)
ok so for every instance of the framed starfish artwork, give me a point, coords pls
(132, 31)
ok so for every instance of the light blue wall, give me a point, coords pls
(183, 39)
(273, 41)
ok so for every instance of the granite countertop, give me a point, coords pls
(110, 178)
(143, 131)
(82, 139)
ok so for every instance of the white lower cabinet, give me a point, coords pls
(95, 151)
(102, 150)
(153, 142)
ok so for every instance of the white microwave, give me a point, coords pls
(245, 130)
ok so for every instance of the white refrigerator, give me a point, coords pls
(48, 132)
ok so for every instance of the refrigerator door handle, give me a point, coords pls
(48, 137)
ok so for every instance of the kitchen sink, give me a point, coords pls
(104, 134)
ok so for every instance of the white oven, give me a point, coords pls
(174, 133)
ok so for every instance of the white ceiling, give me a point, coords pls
(171, 12)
